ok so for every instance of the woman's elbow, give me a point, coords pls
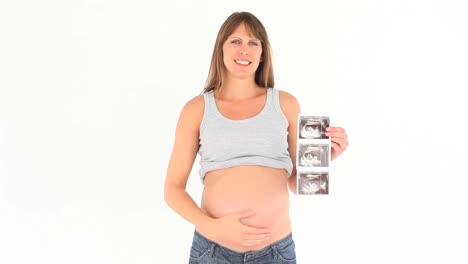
(171, 191)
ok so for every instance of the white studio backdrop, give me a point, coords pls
(90, 93)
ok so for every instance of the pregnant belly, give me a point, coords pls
(261, 190)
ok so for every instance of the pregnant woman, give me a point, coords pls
(244, 131)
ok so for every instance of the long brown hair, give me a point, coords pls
(264, 73)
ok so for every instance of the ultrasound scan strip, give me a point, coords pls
(313, 155)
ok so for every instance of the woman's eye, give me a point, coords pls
(235, 42)
(254, 43)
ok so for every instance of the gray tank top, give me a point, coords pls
(259, 140)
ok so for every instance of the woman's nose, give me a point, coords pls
(244, 51)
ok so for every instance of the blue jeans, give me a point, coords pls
(204, 251)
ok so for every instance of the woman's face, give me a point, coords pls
(242, 53)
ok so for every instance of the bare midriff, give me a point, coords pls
(259, 189)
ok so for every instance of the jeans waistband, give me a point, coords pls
(226, 251)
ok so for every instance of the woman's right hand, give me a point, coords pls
(229, 230)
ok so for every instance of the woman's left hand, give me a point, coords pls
(339, 140)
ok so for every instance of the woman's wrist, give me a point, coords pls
(206, 225)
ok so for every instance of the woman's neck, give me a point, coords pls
(239, 89)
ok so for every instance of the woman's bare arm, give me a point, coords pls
(181, 162)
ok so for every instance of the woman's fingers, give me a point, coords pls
(338, 132)
(338, 135)
(253, 242)
(255, 239)
(335, 129)
(249, 230)
(340, 143)
(337, 148)
(339, 140)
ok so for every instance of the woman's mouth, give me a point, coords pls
(242, 62)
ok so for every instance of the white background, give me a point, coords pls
(90, 93)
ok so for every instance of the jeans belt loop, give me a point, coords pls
(275, 252)
(212, 247)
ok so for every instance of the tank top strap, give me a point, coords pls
(208, 111)
(275, 99)
(208, 97)
(269, 98)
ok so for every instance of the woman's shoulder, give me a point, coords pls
(191, 114)
(288, 101)
(194, 106)
(195, 101)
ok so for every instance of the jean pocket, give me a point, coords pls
(287, 252)
(198, 251)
